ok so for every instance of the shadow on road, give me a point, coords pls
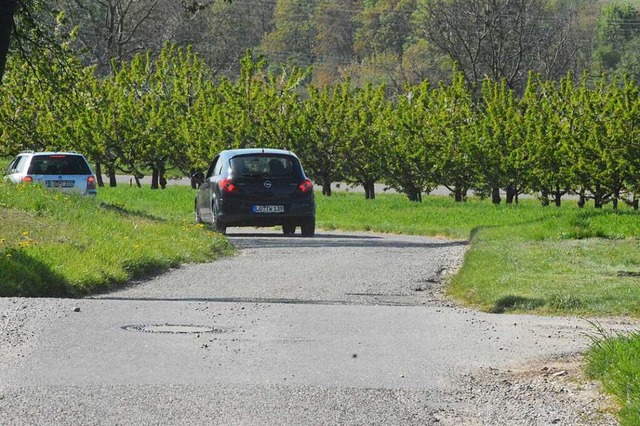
(379, 300)
(321, 240)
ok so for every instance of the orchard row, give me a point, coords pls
(169, 113)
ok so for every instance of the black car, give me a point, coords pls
(257, 187)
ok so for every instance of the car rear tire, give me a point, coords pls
(308, 227)
(216, 225)
(288, 229)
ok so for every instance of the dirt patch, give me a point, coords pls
(549, 392)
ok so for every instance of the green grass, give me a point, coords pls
(615, 361)
(592, 276)
(59, 245)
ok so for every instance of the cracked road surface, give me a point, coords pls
(343, 328)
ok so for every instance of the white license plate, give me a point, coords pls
(59, 183)
(268, 209)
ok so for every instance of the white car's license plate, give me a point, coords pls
(59, 183)
(268, 209)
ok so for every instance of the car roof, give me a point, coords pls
(250, 151)
(52, 153)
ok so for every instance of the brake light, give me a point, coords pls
(27, 179)
(91, 183)
(227, 185)
(305, 186)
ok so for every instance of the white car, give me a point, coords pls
(64, 171)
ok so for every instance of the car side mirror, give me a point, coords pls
(197, 179)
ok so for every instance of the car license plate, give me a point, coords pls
(268, 209)
(59, 183)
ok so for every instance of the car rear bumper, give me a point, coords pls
(239, 213)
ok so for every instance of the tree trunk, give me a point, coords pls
(495, 195)
(370, 190)
(511, 194)
(558, 196)
(616, 197)
(413, 194)
(99, 175)
(111, 173)
(544, 198)
(581, 199)
(154, 177)
(459, 194)
(598, 199)
(597, 202)
(163, 179)
(326, 187)
(7, 9)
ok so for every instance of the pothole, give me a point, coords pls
(172, 328)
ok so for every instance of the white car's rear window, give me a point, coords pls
(59, 164)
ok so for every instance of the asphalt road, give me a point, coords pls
(343, 328)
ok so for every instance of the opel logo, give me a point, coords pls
(267, 184)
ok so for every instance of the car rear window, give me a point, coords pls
(264, 166)
(59, 165)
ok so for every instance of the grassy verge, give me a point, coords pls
(615, 361)
(59, 245)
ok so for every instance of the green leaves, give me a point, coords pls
(169, 112)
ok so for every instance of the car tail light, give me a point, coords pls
(91, 183)
(227, 185)
(27, 179)
(305, 186)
